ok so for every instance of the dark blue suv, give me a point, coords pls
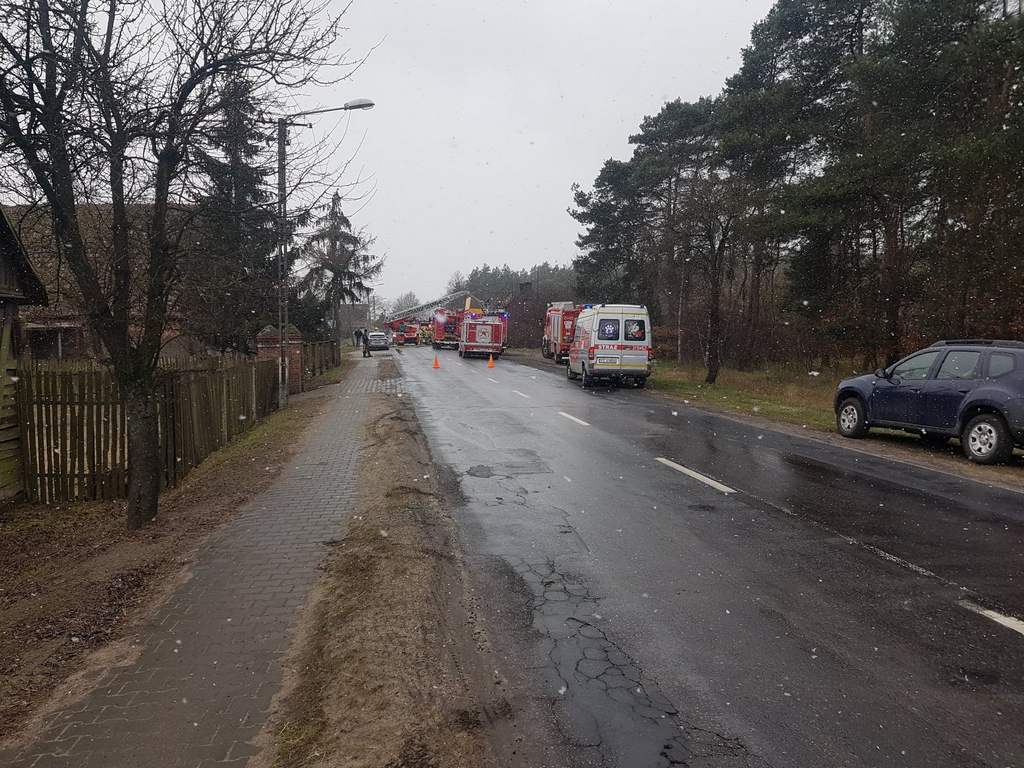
(972, 389)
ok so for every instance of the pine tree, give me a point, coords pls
(231, 272)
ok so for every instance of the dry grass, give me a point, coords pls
(779, 393)
(332, 376)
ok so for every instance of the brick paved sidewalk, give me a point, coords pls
(211, 659)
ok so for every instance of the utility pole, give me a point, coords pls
(282, 245)
(283, 271)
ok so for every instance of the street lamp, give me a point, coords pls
(282, 212)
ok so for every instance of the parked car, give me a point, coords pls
(378, 340)
(612, 342)
(972, 389)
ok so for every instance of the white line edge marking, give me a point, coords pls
(490, 379)
(573, 418)
(1007, 621)
(696, 475)
(521, 394)
(895, 559)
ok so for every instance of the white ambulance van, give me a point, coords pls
(612, 343)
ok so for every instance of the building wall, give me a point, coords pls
(350, 317)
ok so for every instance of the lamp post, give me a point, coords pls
(282, 255)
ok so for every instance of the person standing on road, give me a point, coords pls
(366, 343)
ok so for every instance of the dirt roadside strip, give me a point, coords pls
(884, 444)
(75, 582)
(391, 665)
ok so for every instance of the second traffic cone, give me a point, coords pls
(490, 361)
(437, 363)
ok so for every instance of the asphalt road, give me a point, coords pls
(673, 587)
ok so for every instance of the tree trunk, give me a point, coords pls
(752, 352)
(891, 288)
(714, 353)
(143, 455)
(683, 298)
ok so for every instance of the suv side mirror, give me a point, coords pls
(881, 374)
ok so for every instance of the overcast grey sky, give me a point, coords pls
(488, 111)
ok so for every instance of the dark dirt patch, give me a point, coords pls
(74, 579)
(391, 667)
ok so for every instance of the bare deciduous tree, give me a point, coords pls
(106, 105)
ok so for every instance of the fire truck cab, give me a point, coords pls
(559, 327)
(612, 342)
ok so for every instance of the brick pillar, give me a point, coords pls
(268, 347)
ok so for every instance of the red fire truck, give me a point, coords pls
(559, 327)
(404, 331)
(482, 336)
(447, 328)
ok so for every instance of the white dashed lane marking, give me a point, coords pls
(696, 475)
(1007, 621)
(573, 418)
(521, 394)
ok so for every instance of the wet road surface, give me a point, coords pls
(673, 587)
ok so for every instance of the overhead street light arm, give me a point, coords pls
(347, 106)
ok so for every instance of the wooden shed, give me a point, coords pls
(19, 285)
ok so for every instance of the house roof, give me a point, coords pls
(31, 287)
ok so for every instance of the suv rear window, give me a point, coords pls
(636, 330)
(608, 330)
(960, 364)
(1000, 364)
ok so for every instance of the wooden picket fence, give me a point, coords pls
(318, 357)
(74, 430)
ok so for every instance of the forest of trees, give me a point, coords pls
(854, 191)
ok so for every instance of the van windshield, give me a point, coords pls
(636, 330)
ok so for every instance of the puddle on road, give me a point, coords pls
(618, 714)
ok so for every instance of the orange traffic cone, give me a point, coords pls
(490, 361)
(437, 363)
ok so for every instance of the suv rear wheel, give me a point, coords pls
(986, 440)
(850, 418)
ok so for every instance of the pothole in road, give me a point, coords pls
(480, 470)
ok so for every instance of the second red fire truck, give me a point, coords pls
(447, 328)
(559, 327)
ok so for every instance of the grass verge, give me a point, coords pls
(331, 376)
(779, 394)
